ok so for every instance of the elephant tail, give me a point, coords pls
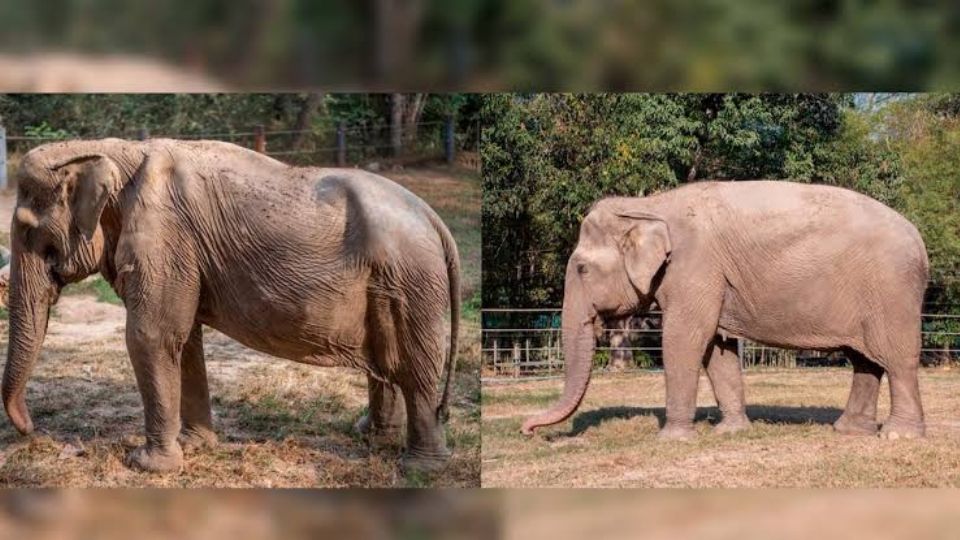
(452, 257)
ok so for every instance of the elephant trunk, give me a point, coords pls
(32, 290)
(578, 347)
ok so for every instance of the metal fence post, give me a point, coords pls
(259, 139)
(448, 139)
(3, 158)
(341, 145)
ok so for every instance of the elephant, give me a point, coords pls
(328, 267)
(786, 264)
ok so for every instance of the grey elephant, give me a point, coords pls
(785, 264)
(329, 267)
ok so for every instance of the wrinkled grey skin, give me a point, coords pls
(789, 265)
(330, 267)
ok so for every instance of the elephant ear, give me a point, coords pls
(95, 181)
(646, 248)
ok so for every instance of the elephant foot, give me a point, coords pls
(195, 439)
(900, 429)
(855, 425)
(677, 433)
(416, 463)
(156, 460)
(732, 424)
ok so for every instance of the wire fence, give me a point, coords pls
(526, 343)
(372, 145)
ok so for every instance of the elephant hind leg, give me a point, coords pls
(384, 422)
(895, 345)
(860, 415)
(906, 411)
(723, 370)
(426, 440)
(423, 351)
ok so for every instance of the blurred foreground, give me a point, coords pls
(738, 514)
(243, 515)
(480, 514)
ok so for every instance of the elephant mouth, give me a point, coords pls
(56, 277)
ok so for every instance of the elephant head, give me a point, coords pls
(612, 273)
(56, 239)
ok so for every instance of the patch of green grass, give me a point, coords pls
(416, 479)
(97, 287)
(471, 308)
(3, 314)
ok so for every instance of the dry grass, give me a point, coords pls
(280, 424)
(611, 440)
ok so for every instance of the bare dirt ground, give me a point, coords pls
(281, 424)
(611, 440)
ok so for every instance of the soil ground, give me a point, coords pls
(611, 440)
(281, 424)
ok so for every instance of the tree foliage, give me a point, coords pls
(97, 115)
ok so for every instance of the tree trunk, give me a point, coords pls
(304, 117)
(396, 123)
(411, 117)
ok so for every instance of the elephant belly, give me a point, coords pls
(320, 328)
(813, 321)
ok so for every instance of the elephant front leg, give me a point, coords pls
(196, 431)
(384, 422)
(685, 346)
(723, 370)
(860, 415)
(155, 354)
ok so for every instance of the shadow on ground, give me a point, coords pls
(770, 414)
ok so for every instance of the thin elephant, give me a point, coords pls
(785, 264)
(330, 267)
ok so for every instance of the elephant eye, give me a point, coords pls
(581, 268)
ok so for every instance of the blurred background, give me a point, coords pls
(483, 45)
